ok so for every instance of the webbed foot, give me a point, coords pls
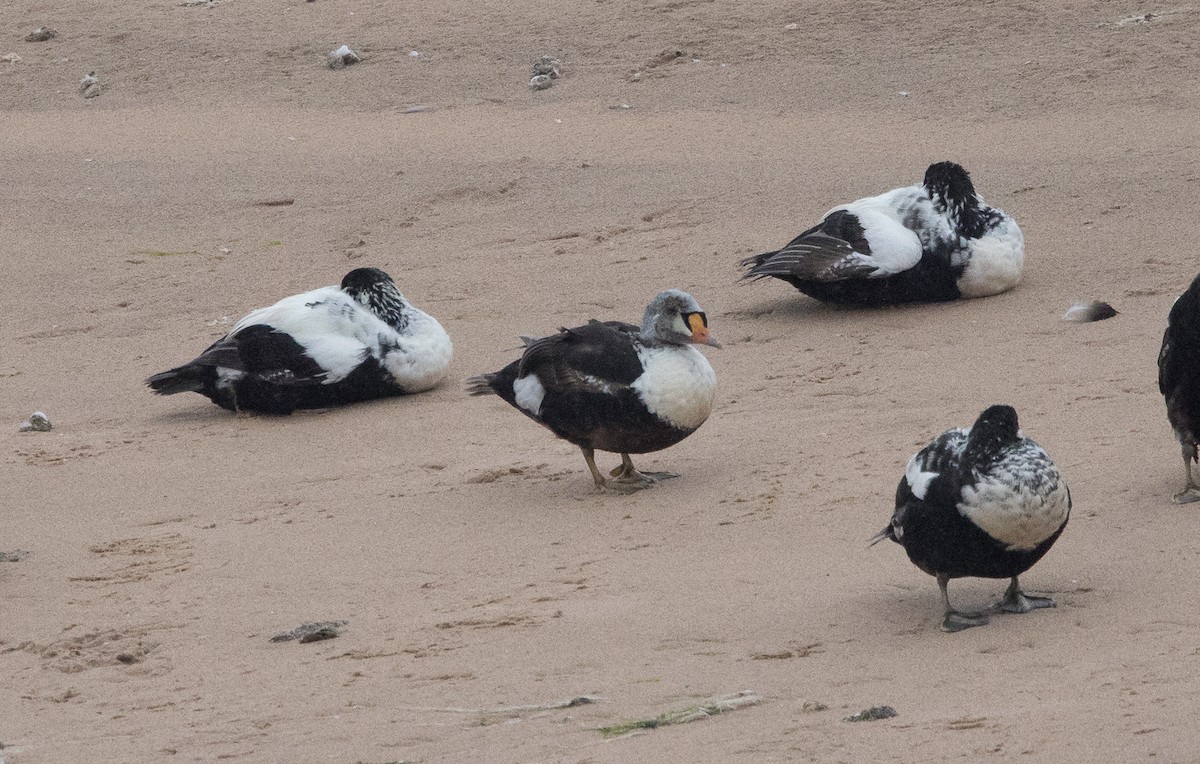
(1017, 601)
(1187, 496)
(956, 621)
(627, 473)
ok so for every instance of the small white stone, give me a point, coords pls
(413, 54)
(903, 94)
(25, 426)
(540, 82)
(39, 422)
(791, 27)
(11, 58)
(343, 57)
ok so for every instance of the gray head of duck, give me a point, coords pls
(674, 317)
(378, 293)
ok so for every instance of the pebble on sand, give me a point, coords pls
(343, 57)
(41, 34)
(39, 422)
(872, 714)
(311, 632)
(89, 86)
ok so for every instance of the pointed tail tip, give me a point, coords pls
(886, 533)
(172, 382)
(480, 385)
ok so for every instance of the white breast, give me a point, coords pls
(995, 262)
(677, 385)
(1019, 503)
(422, 355)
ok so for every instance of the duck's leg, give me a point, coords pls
(627, 473)
(1190, 492)
(1017, 601)
(603, 483)
(956, 621)
(589, 456)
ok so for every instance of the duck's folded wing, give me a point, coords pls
(266, 353)
(857, 241)
(598, 357)
(333, 330)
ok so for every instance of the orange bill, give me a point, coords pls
(698, 323)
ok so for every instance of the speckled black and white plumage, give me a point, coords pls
(612, 386)
(327, 347)
(985, 502)
(1179, 381)
(931, 242)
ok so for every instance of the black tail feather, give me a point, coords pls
(484, 384)
(886, 533)
(183, 379)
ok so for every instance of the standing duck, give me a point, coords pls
(984, 502)
(326, 347)
(932, 242)
(1179, 381)
(612, 386)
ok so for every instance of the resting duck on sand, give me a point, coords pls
(612, 386)
(984, 502)
(326, 347)
(935, 241)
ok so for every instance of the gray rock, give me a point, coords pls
(311, 632)
(89, 86)
(38, 422)
(872, 714)
(41, 34)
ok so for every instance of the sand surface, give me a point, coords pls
(483, 578)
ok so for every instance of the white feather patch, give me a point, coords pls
(918, 480)
(529, 393)
(677, 385)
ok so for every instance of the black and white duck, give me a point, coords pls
(330, 346)
(1179, 381)
(984, 502)
(613, 386)
(931, 242)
